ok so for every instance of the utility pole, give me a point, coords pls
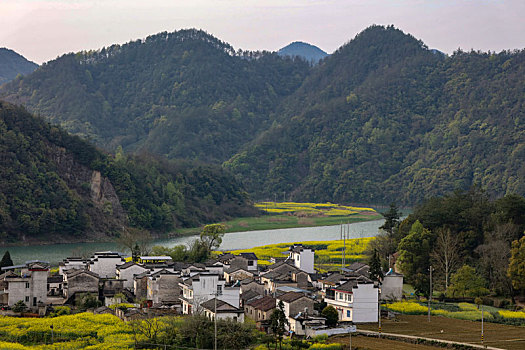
(215, 320)
(379, 317)
(430, 293)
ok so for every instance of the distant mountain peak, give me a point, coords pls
(12, 64)
(304, 50)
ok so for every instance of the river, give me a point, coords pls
(54, 253)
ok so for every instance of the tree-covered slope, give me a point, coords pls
(56, 187)
(12, 64)
(385, 119)
(183, 94)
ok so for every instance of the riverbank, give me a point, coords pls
(273, 222)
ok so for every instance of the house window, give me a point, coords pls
(340, 296)
(219, 289)
(27, 299)
(348, 313)
(27, 284)
(250, 262)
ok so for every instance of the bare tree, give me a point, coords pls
(136, 241)
(445, 256)
(494, 260)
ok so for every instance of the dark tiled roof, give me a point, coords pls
(55, 279)
(222, 306)
(264, 304)
(291, 297)
(75, 272)
(250, 294)
(347, 286)
(249, 256)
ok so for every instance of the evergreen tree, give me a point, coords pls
(6, 260)
(376, 273)
(331, 315)
(391, 220)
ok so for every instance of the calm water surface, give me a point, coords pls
(235, 240)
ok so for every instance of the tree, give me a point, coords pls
(6, 260)
(212, 235)
(494, 257)
(467, 283)
(135, 240)
(376, 272)
(278, 323)
(445, 255)
(391, 219)
(20, 306)
(516, 270)
(331, 315)
(414, 257)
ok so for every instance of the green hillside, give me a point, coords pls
(382, 119)
(182, 95)
(385, 119)
(13, 64)
(56, 187)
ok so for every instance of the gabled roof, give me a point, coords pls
(333, 278)
(237, 268)
(222, 306)
(290, 297)
(347, 286)
(249, 295)
(264, 304)
(356, 266)
(75, 272)
(162, 272)
(249, 256)
(128, 264)
(297, 248)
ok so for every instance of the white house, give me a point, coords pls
(222, 310)
(163, 287)
(127, 271)
(104, 264)
(355, 301)
(204, 286)
(302, 257)
(71, 263)
(30, 286)
(392, 286)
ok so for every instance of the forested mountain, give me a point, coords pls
(182, 94)
(12, 64)
(382, 119)
(308, 52)
(385, 119)
(56, 187)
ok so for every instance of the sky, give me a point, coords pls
(42, 30)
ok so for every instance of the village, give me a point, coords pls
(228, 286)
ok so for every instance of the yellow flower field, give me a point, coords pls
(80, 331)
(321, 209)
(325, 251)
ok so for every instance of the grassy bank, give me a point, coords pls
(275, 215)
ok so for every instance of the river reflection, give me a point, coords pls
(235, 240)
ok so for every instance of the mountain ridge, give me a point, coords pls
(381, 119)
(12, 64)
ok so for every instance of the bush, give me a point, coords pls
(19, 306)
